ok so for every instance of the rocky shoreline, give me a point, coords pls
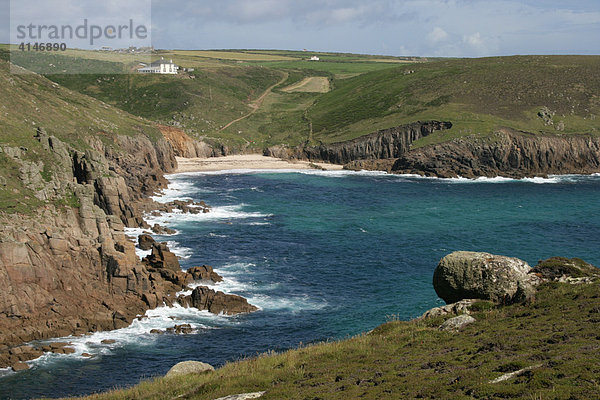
(69, 269)
(506, 153)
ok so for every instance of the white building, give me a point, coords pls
(161, 66)
(314, 58)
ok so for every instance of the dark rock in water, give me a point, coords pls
(156, 332)
(189, 367)
(469, 275)
(162, 258)
(87, 355)
(204, 298)
(108, 341)
(161, 230)
(145, 242)
(558, 267)
(205, 273)
(20, 366)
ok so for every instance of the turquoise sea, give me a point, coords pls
(325, 255)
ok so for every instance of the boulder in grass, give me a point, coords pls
(457, 323)
(470, 275)
(189, 367)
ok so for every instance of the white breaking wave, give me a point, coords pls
(177, 190)
(216, 213)
(180, 251)
(500, 179)
(137, 334)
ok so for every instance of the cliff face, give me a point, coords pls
(387, 143)
(69, 268)
(185, 146)
(506, 153)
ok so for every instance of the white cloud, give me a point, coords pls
(437, 35)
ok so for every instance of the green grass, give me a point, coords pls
(559, 331)
(477, 95)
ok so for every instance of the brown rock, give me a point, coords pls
(156, 332)
(204, 298)
(205, 273)
(145, 242)
(20, 366)
(108, 341)
(162, 258)
(160, 230)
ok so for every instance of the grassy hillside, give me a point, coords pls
(557, 334)
(477, 95)
(368, 93)
(32, 101)
(223, 87)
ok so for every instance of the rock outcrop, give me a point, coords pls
(560, 268)
(68, 268)
(386, 143)
(204, 298)
(505, 153)
(185, 146)
(469, 275)
(205, 273)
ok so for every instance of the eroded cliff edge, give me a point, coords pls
(504, 153)
(68, 268)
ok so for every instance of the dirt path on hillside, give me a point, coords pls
(255, 106)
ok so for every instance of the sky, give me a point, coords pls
(446, 28)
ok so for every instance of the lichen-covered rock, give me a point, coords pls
(470, 275)
(556, 268)
(457, 323)
(458, 308)
(189, 367)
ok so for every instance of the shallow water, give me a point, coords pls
(324, 255)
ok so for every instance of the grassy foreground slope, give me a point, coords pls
(557, 336)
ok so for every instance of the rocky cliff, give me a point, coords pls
(68, 268)
(383, 144)
(185, 146)
(505, 153)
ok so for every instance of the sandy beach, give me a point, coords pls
(245, 161)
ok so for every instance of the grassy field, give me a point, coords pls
(313, 84)
(557, 334)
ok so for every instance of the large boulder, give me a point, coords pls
(470, 275)
(189, 367)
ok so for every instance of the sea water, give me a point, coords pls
(324, 255)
